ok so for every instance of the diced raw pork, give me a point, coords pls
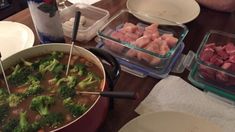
(152, 28)
(129, 27)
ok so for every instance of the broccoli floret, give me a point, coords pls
(71, 81)
(4, 109)
(65, 91)
(3, 96)
(58, 69)
(19, 75)
(57, 55)
(14, 99)
(48, 66)
(41, 104)
(11, 125)
(34, 86)
(24, 125)
(52, 120)
(75, 109)
(80, 69)
(90, 81)
(33, 89)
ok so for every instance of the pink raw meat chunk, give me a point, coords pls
(222, 53)
(129, 27)
(131, 53)
(222, 77)
(215, 59)
(230, 48)
(170, 39)
(142, 41)
(232, 58)
(206, 54)
(113, 45)
(207, 72)
(210, 45)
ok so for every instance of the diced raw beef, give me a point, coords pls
(221, 77)
(216, 60)
(222, 53)
(226, 65)
(207, 73)
(206, 54)
(210, 45)
(232, 58)
(230, 48)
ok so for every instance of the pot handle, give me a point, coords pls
(113, 73)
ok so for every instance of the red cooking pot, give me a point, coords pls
(95, 115)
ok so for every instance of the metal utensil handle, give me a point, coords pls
(115, 94)
(75, 30)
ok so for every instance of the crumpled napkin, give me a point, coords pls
(89, 2)
(175, 94)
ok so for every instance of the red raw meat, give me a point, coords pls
(222, 77)
(207, 72)
(230, 48)
(215, 59)
(232, 58)
(210, 45)
(206, 54)
(222, 53)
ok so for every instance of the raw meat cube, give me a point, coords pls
(131, 53)
(129, 27)
(207, 73)
(142, 41)
(216, 60)
(152, 28)
(222, 53)
(210, 45)
(230, 48)
(170, 39)
(206, 54)
(222, 77)
(232, 58)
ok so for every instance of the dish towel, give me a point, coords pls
(89, 2)
(175, 94)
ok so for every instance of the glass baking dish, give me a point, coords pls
(123, 49)
(92, 18)
(214, 67)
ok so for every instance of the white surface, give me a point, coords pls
(175, 94)
(181, 11)
(169, 121)
(89, 2)
(14, 37)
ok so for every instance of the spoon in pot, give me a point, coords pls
(74, 35)
(4, 75)
(114, 94)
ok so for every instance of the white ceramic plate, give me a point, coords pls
(181, 11)
(169, 122)
(14, 37)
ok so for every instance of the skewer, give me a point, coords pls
(74, 35)
(4, 75)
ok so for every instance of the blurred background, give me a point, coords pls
(9, 7)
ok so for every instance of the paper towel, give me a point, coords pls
(175, 94)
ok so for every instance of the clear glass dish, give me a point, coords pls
(121, 49)
(214, 67)
(92, 19)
